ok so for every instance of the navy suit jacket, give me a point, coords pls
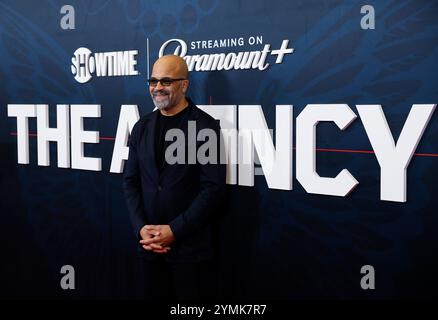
(184, 196)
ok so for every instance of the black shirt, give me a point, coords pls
(165, 123)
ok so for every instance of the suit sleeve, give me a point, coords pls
(132, 184)
(212, 188)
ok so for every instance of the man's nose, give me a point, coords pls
(159, 86)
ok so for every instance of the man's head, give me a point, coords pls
(171, 93)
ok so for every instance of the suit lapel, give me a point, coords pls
(150, 147)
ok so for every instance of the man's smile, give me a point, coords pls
(160, 94)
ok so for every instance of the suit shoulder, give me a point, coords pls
(207, 119)
(144, 119)
(140, 125)
(148, 116)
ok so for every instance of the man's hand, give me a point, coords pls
(156, 238)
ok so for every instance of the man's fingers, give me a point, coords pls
(149, 241)
(156, 246)
(164, 250)
(153, 244)
(153, 232)
(160, 251)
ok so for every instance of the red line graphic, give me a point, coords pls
(317, 149)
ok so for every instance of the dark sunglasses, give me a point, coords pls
(164, 82)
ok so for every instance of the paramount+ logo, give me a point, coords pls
(85, 64)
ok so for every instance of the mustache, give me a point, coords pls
(162, 92)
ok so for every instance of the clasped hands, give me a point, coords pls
(156, 238)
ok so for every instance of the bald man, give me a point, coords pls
(172, 205)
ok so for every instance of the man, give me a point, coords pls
(171, 205)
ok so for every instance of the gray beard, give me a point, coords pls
(161, 105)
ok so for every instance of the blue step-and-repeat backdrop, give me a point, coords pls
(274, 244)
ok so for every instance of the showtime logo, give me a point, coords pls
(102, 64)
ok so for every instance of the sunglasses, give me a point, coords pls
(165, 82)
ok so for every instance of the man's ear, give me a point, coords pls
(185, 85)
